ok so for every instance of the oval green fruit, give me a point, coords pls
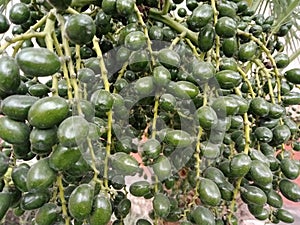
(34, 200)
(73, 131)
(151, 148)
(9, 75)
(40, 176)
(289, 168)
(16, 107)
(247, 51)
(135, 40)
(5, 202)
(19, 176)
(19, 13)
(260, 173)
(240, 165)
(226, 27)
(290, 190)
(161, 76)
(203, 71)
(209, 192)
(202, 215)
(48, 112)
(201, 15)
(206, 117)
(81, 201)
(102, 210)
(293, 75)
(169, 58)
(281, 134)
(228, 79)
(62, 158)
(102, 100)
(124, 163)
(253, 195)
(4, 164)
(274, 199)
(178, 138)
(259, 107)
(80, 29)
(284, 216)
(42, 140)
(139, 188)
(14, 132)
(206, 38)
(47, 214)
(38, 62)
(229, 46)
(162, 168)
(161, 205)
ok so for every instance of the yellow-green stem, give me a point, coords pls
(269, 56)
(149, 43)
(217, 38)
(245, 78)
(155, 116)
(63, 200)
(109, 113)
(64, 66)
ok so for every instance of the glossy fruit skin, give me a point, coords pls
(48, 112)
(14, 132)
(124, 163)
(292, 98)
(9, 75)
(293, 75)
(289, 168)
(38, 62)
(161, 205)
(254, 195)
(162, 168)
(263, 134)
(289, 190)
(240, 165)
(201, 15)
(102, 210)
(284, 216)
(178, 138)
(206, 117)
(282, 60)
(202, 215)
(209, 192)
(5, 202)
(42, 140)
(125, 8)
(34, 200)
(161, 76)
(102, 100)
(203, 71)
(19, 176)
(206, 38)
(169, 58)
(4, 24)
(274, 199)
(139, 188)
(109, 6)
(228, 79)
(72, 131)
(40, 176)
(229, 46)
(19, 13)
(247, 51)
(81, 201)
(80, 29)
(281, 134)
(226, 27)
(151, 149)
(260, 173)
(62, 158)
(259, 106)
(47, 214)
(16, 107)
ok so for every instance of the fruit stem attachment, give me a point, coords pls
(167, 4)
(63, 200)
(245, 78)
(109, 113)
(156, 15)
(269, 56)
(141, 21)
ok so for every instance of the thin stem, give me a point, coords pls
(166, 7)
(269, 56)
(63, 200)
(109, 113)
(217, 38)
(155, 116)
(156, 15)
(245, 78)
(141, 21)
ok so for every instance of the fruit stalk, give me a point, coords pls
(63, 200)
(109, 113)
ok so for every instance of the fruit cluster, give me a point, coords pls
(191, 101)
